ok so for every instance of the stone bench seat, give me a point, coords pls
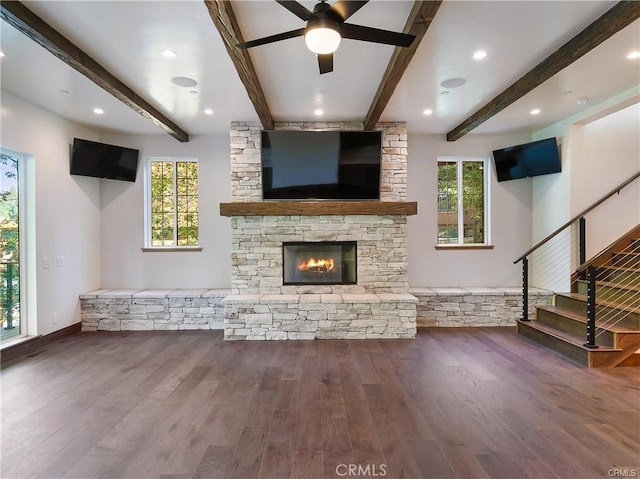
(475, 306)
(174, 309)
(332, 298)
(152, 309)
(319, 316)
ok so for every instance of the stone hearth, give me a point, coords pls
(262, 307)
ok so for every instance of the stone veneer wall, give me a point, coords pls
(246, 173)
(256, 257)
(257, 251)
(320, 316)
(453, 307)
(152, 309)
(121, 310)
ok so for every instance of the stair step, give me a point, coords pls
(622, 258)
(576, 324)
(607, 301)
(625, 297)
(626, 317)
(627, 286)
(631, 361)
(619, 274)
(565, 343)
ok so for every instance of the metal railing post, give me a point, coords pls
(525, 289)
(591, 308)
(583, 244)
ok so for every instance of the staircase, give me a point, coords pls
(562, 327)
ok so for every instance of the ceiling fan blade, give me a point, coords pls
(273, 38)
(325, 62)
(346, 8)
(375, 35)
(297, 9)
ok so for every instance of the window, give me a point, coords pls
(10, 246)
(172, 203)
(462, 201)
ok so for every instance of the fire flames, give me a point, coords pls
(313, 265)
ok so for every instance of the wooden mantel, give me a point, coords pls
(319, 208)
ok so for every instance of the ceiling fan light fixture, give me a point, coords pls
(322, 37)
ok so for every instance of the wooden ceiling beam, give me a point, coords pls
(420, 17)
(615, 19)
(19, 16)
(224, 19)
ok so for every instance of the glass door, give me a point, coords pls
(10, 311)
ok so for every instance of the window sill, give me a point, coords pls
(171, 249)
(10, 343)
(463, 246)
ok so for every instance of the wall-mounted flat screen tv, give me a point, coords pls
(321, 165)
(90, 158)
(531, 159)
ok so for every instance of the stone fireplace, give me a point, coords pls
(357, 284)
(319, 262)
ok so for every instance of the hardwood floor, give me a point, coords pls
(453, 403)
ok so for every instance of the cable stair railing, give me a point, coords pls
(609, 293)
(616, 288)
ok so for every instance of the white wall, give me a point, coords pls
(124, 265)
(596, 157)
(510, 217)
(67, 210)
(600, 150)
(606, 153)
(97, 225)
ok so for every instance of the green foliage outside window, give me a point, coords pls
(465, 225)
(174, 203)
(9, 246)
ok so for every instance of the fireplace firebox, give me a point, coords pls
(325, 262)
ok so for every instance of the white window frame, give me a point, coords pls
(27, 245)
(487, 195)
(148, 246)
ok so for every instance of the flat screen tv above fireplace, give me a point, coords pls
(321, 165)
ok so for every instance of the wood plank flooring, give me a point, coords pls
(453, 403)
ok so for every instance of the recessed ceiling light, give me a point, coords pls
(193, 92)
(453, 82)
(184, 82)
(633, 55)
(64, 92)
(98, 111)
(582, 101)
(445, 92)
(318, 112)
(567, 92)
(535, 111)
(479, 55)
(169, 54)
(428, 111)
(208, 111)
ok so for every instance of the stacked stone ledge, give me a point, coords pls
(132, 309)
(320, 316)
(153, 309)
(459, 307)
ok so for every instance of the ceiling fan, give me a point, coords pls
(326, 27)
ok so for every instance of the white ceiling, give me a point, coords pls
(127, 38)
